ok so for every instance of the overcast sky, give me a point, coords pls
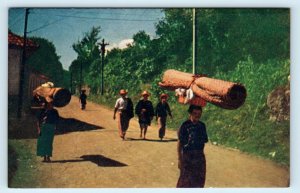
(63, 27)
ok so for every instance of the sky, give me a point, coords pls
(65, 26)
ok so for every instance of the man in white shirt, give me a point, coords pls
(124, 111)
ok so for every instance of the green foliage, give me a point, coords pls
(249, 128)
(227, 36)
(46, 61)
(86, 68)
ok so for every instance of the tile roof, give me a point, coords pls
(15, 40)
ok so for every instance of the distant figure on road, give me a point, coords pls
(162, 110)
(144, 110)
(82, 99)
(124, 110)
(192, 137)
(46, 126)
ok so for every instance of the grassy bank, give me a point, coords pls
(22, 163)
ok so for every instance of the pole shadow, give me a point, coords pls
(99, 160)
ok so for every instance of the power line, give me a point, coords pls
(19, 18)
(46, 25)
(84, 17)
(79, 10)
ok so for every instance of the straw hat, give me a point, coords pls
(145, 93)
(122, 91)
(163, 96)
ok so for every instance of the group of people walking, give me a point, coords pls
(192, 134)
(145, 111)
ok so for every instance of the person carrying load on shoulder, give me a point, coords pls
(46, 126)
(144, 110)
(124, 111)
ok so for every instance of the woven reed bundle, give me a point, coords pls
(225, 94)
(59, 96)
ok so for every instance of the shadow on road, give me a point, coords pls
(26, 128)
(152, 140)
(96, 159)
(66, 125)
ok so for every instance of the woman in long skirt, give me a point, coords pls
(46, 127)
(192, 137)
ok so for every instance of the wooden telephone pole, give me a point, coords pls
(195, 40)
(102, 48)
(22, 67)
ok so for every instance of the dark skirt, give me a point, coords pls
(45, 140)
(193, 170)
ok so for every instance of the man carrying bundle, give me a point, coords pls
(124, 110)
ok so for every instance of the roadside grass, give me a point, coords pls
(254, 134)
(22, 163)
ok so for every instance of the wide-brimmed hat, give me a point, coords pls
(123, 91)
(145, 93)
(163, 96)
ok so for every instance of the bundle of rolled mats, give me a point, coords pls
(224, 94)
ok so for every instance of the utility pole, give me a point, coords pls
(22, 67)
(71, 81)
(195, 40)
(102, 67)
(80, 86)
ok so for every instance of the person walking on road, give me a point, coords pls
(124, 111)
(144, 110)
(192, 137)
(162, 110)
(82, 99)
(46, 126)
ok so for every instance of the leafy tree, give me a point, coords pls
(46, 61)
(87, 63)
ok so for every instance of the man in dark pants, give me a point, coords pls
(124, 111)
(162, 110)
(82, 99)
(192, 137)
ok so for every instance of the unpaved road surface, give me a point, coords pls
(88, 153)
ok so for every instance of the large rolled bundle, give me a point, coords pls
(59, 96)
(227, 95)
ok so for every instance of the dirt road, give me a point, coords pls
(88, 153)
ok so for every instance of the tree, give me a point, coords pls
(88, 59)
(46, 61)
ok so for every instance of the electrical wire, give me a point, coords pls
(17, 19)
(63, 17)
